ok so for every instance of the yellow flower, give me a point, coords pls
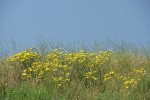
(24, 74)
(126, 82)
(126, 87)
(112, 72)
(67, 79)
(88, 74)
(30, 69)
(94, 78)
(47, 69)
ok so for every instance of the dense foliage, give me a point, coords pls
(65, 75)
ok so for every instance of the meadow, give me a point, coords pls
(53, 71)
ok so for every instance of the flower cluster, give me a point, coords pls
(51, 68)
(130, 79)
(96, 63)
(26, 58)
(59, 65)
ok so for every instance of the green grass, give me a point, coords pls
(125, 57)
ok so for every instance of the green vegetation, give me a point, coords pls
(51, 72)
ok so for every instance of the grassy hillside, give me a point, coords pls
(60, 72)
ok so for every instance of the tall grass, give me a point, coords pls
(124, 58)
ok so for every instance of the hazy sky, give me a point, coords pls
(27, 20)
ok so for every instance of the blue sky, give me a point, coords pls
(25, 21)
